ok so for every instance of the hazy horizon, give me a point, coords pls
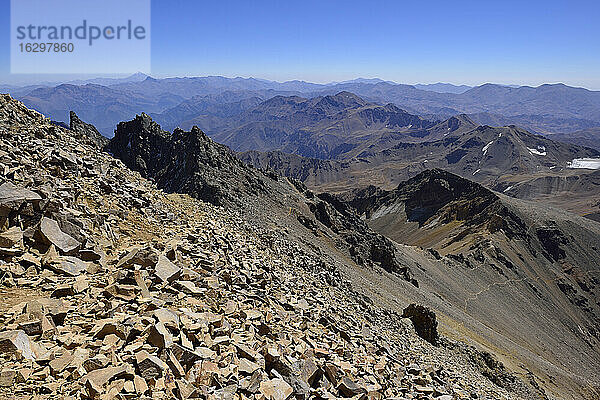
(57, 80)
(510, 43)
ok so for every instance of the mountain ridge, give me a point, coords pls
(548, 107)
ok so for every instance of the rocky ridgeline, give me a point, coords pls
(111, 288)
(192, 163)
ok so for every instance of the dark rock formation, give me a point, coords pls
(365, 245)
(551, 239)
(184, 162)
(424, 321)
(86, 131)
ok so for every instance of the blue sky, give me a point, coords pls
(470, 42)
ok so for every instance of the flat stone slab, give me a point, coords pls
(51, 231)
(16, 341)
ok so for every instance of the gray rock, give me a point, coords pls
(12, 237)
(424, 321)
(67, 265)
(166, 271)
(12, 197)
(51, 232)
(348, 388)
(86, 131)
(149, 366)
(16, 342)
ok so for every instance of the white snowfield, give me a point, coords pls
(588, 163)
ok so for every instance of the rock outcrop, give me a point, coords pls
(86, 131)
(184, 162)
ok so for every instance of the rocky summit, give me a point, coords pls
(164, 268)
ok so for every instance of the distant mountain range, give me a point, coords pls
(443, 87)
(352, 134)
(554, 108)
(585, 137)
(498, 157)
(508, 159)
(328, 127)
(100, 105)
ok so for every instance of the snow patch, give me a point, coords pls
(507, 189)
(540, 151)
(588, 163)
(479, 169)
(486, 147)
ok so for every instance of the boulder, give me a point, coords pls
(145, 257)
(424, 322)
(349, 388)
(12, 237)
(96, 380)
(275, 389)
(159, 336)
(52, 234)
(166, 271)
(12, 197)
(67, 265)
(167, 317)
(16, 342)
(149, 366)
(247, 367)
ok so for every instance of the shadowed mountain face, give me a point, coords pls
(85, 130)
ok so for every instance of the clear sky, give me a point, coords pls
(471, 42)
